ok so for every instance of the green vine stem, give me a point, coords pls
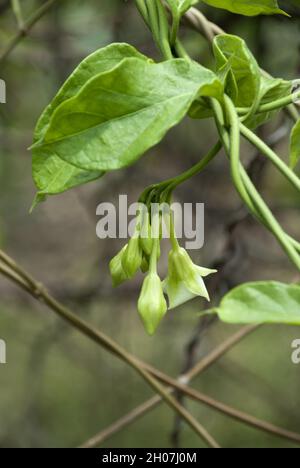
(272, 106)
(243, 184)
(271, 155)
(264, 211)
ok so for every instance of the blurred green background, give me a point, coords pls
(57, 388)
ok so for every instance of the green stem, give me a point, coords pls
(164, 31)
(174, 30)
(260, 205)
(169, 185)
(142, 8)
(272, 106)
(180, 51)
(18, 13)
(202, 164)
(272, 156)
(155, 228)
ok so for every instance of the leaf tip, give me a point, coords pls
(39, 198)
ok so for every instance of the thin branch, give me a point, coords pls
(16, 7)
(197, 396)
(39, 292)
(27, 26)
(150, 404)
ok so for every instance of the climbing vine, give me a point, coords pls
(119, 103)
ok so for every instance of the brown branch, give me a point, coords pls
(24, 31)
(148, 373)
(150, 404)
(197, 396)
(16, 274)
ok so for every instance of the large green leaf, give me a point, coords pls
(51, 174)
(247, 7)
(120, 114)
(100, 61)
(262, 302)
(295, 145)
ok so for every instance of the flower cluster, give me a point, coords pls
(183, 282)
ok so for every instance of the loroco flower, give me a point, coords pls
(152, 305)
(132, 258)
(146, 240)
(185, 279)
(116, 269)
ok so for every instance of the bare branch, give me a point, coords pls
(16, 274)
(27, 26)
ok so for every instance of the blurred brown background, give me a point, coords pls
(58, 389)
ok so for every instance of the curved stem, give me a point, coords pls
(142, 8)
(272, 106)
(260, 205)
(271, 155)
(163, 31)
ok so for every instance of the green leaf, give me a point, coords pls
(247, 85)
(262, 302)
(239, 72)
(120, 114)
(248, 7)
(51, 174)
(271, 89)
(100, 61)
(295, 145)
(238, 69)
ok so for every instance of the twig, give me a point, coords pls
(38, 291)
(197, 396)
(27, 26)
(18, 13)
(150, 404)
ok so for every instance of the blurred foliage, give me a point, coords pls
(57, 389)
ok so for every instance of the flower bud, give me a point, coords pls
(132, 258)
(145, 264)
(146, 240)
(152, 305)
(116, 269)
(185, 279)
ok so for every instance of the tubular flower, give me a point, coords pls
(185, 279)
(116, 269)
(152, 305)
(132, 258)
